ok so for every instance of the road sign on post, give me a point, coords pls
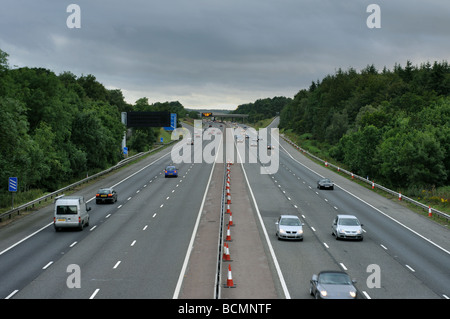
(12, 187)
(12, 184)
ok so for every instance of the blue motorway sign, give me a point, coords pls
(173, 122)
(12, 184)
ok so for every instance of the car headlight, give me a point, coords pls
(300, 231)
(353, 294)
(282, 231)
(323, 293)
(342, 231)
(359, 231)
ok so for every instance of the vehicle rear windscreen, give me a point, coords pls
(66, 210)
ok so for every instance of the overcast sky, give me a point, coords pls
(220, 54)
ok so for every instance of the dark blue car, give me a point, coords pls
(171, 171)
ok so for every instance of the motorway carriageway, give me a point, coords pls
(137, 247)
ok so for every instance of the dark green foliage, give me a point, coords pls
(393, 126)
(55, 128)
(262, 109)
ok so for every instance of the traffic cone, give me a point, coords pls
(429, 211)
(230, 283)
(228, 198)
(400, 196)
(228, 234)
(227, 256)
(230, 221)
(228, 209)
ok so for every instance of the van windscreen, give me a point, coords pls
(66, 210)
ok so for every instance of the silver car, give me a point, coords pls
(332, 284)
(289, 227)
(347, 226)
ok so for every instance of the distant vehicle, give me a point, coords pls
(239, 139)
(70, 212)
(325, 183)
(289, 227)
(106, 195)
(190, 141)
(270, 147)
(332, 284)
(347, 226)
(171, 171)
(254, 143)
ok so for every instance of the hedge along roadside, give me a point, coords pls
(373, 184)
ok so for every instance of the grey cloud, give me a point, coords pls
(211, 53)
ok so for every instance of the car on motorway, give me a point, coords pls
(171, 171)
(325, 183)
(270, 147)
(332, 284)
(106, 195)
(289, 227)
(347, 226)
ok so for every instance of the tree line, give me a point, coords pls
(391, 125)
(58, 128)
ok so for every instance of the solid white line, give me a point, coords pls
(378, 210)
(22, 240)
(87, 201)
(194, 233)
(272, 252)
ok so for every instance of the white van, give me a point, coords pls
(71, 212)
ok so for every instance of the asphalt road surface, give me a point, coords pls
(149, 243)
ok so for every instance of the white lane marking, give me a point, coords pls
(73, 244)
(117, 264)
(343, 266)
(410, 268)
(48, 265)
(194, 232)
(39, 230)
(370, 205)
(94, 294)
(272, 252)
(12, 294)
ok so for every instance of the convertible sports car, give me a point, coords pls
(325, 183)
(332, 284)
